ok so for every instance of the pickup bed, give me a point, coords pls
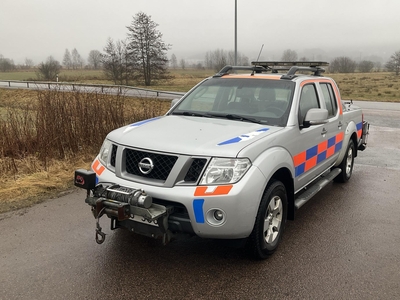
(232, 159)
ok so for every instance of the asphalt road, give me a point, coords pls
(343, 244)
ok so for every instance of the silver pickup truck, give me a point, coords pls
(232, 159)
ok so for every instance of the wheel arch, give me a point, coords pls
(350, 134)
(285, 176)
(282, 170)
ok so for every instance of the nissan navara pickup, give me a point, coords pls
(234, 158)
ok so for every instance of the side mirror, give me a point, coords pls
(315, 116)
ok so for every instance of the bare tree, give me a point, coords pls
(48, 70)
(393, 65)
(219, 58)
(67, 60)
(182, 63)
(216, 59)
(342, 65)
(365, 66)
(77, 61)
(173, 62)
(289, 55)
(378, 66)
(115, 62)
(6, 64)
(28, 63)
(147, 50)
(94, 59)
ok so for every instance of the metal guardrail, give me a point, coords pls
(129, 90)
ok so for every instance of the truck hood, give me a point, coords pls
(191, 135)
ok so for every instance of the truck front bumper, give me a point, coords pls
(223, 212)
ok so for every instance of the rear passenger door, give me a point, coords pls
(334, 127)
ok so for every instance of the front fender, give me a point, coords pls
(272, 160)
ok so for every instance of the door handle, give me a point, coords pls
(324, 131)
(340, 125)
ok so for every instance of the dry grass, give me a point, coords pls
(380, 86)
(46, 135)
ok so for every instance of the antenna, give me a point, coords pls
(257, 59)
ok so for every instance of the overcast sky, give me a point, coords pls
(36, 29)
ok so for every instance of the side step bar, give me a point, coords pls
(307, 194)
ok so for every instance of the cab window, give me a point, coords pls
(329, 98)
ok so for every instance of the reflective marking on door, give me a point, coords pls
(310, 158)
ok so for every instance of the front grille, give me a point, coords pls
(163, 164)
(195, 169)
(113, 155)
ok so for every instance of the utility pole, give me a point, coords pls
(235, 32)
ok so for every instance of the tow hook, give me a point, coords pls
(100, 236)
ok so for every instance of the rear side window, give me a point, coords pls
(330, 99)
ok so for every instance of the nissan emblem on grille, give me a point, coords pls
(146, 165)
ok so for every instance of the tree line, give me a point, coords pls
(141, 58)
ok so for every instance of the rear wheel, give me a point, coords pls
(347, 163)
(270, 221)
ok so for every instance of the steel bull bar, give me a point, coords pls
(129, 208)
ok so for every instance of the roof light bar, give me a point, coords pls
(290, 63)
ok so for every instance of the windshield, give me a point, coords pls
(264, 101)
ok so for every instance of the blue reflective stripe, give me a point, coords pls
(331, 141)
(198, 210)
(231, 141)
(244, 137)
(144, 122)
(359, 126)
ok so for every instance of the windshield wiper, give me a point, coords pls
(241, 118)
(192, 114)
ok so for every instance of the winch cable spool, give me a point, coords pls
(134, 197)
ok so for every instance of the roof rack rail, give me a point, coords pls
(292, 71)
(228, 69)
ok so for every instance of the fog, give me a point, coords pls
(324, 29)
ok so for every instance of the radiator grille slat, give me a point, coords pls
(163, 164)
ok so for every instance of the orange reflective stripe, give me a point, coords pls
(299, 158)
(330, 151)
(310, 158)
(97, 167)
(322, 146)
(212, 190)
(310, 163)
(339, 137)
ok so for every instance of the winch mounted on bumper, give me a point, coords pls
(127, 207)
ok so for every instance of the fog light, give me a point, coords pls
(215, 217)
(218, 215)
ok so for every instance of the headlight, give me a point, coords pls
(225, 170)
(104, 152)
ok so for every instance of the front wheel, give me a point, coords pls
(347, 164)
(270, 221)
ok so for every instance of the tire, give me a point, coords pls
(347, 164)
(270, 221)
